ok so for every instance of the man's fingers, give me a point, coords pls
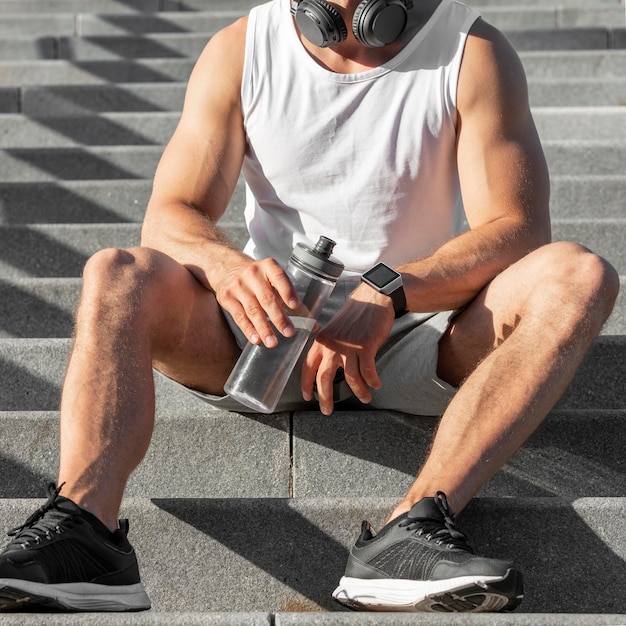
(256, 300)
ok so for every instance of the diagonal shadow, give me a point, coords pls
(20, 481)
(306, 549)
(24, 313)
(53, 202)
(22, 390)
(127, 47)
(98, 98)
(567, 566)
(273, 536)
(52, 258)
(70, 163)
(94, 130)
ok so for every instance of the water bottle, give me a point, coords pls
(261, 374)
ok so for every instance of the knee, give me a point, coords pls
(578, 279)
(120, 278)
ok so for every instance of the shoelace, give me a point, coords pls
(446, 533)
(38, 526)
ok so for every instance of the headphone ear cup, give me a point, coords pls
(377, 23)
(320, 23)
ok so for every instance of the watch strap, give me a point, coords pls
(398, 298)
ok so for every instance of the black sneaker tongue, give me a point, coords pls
(426, 509)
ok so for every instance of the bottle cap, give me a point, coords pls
(318, 260)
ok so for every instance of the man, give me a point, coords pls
(364, 122)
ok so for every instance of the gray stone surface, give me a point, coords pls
(163, 45)
(575, 92)
(74, 202)
(58, 250)
(63, 72)
(88, 201)
(581, 123)
(582, 196)
(38, 307)
(585, 157)
(76, 6)
(9, 99)
(27, 48)
(571, 64)
(108, 129)
(367, 454)
(193, 454)
(79, 163)
(287, 554)
(164, 22)
(64, 100)
(560, 39)
(61, 250)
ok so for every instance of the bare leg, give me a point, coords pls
(517, 348)
(138, 307)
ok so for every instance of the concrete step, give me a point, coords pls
(156, 128)
(589, 38)
(62, 249)
(35, 7)
(506, 18)
(190, 45)
(575, 64)
(79, 163)
(35, 368)
(110, 129)
(288, 554)
(67, 100)
(105, 201)
(186, 459)
(181, 45)
(64, 72)
(565, 157)
(76, 201)
(551, 17)
(85, 24)
(587, 92)
(202, 453)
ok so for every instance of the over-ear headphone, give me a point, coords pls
(375, 23)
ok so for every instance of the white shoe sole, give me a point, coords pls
(16, 593)
(464, 594)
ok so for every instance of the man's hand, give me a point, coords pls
(350, 340)
(255, 293)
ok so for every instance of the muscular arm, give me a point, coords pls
(503, 176)
(505, 189)
(193, 185)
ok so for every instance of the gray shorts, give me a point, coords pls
(406, 364)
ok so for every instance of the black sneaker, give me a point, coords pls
(65, 558)
(420, 561)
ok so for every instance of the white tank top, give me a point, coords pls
(367, 159)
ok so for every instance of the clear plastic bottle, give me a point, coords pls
(261, 374)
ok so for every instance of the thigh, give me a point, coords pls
(522, 289)
(190, 340)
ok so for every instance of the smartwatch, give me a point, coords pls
(386, 280)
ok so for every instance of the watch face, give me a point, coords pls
(380, 275)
